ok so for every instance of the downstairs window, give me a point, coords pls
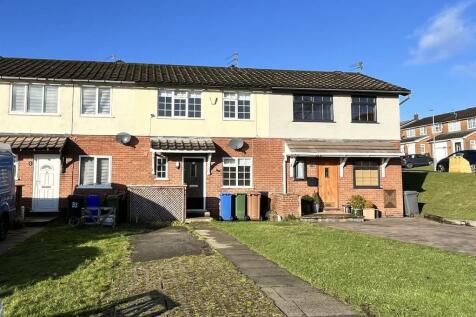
(366, 174)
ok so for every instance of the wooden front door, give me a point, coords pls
(328, 181)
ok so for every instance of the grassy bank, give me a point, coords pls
(385, 277)
(449, 195)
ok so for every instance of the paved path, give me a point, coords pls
(291, 295)
(417, 230)
(17, 236)
(166, 243)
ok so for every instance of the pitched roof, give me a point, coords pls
(192, 76)
(171, 145)
(34, 142)
(351, 147)
(445, 117)
(454, 135)
(413, 139)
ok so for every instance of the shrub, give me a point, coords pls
(357, 202)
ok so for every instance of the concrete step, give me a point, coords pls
(330, 217)
(198, 219)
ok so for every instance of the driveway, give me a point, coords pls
(417, 230)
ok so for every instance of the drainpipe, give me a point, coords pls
(285, 189)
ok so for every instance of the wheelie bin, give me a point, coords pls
(225, 206)
(254, 205)
(114, 201)
(240, 206)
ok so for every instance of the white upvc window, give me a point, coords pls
(179, 103)
(422, 131)
(95, 171)
(437, 128)
(472, 123)
(237, 172)
(422, 149)
(236, 106)
(472, 144)
(410, 133)
(454, 126)
(34, 99)
(96, 101)
(160, 167)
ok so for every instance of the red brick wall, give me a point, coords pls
(286, 204)
(392, 180)
(301, 186)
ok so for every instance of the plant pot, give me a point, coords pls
(357, 212)
(369, 213)
(306, 207)
(316, 207)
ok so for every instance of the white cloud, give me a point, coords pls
(445, 34)
(468, 69)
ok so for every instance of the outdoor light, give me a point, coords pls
(177, 164)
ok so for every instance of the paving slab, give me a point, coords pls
(166, 243)
(418, 230)
(293, 296)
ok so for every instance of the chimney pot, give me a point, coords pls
(415, 116)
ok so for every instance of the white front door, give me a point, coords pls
(46, 182)
(440, 151)
(411, 148)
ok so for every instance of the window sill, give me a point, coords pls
(161, 179)
(94, 187)
(96, 116)
(371, 122)
(367, 187)
(179, 118)
(243, 187)
(234, 119)
(34, 114)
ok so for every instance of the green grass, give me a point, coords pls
(450, 195)
(67, 271)
(393, 278)
(423, 168)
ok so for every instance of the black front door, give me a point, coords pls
(193, 178)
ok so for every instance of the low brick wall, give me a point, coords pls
(286, 204)
(151, 203)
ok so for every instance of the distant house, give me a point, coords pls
(450, 132)
(208, 129)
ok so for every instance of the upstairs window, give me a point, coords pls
(95, 171)
(237, 172)
(454, 126)
(437, 127)
(422, 131)
(96, 101)
(472, 123)
(364, 109)
(179, 104)
(312, 108)
(366, 174)
(410, 133)
(236, 105)
(34, 99)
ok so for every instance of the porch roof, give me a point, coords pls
(341, 148)
(182, 145)
(24, 142)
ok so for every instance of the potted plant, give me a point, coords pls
(317, 202)
(369, 210)
(357, 203)
(307, 203)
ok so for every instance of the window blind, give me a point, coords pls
(87, 171)
(102, 173)
(35, 99)
(51, 99)
(104, 101)
(18, 97)
(88, 97)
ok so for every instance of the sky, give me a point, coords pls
(427, 46)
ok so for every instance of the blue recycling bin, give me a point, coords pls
(225, 206)
(93, 202)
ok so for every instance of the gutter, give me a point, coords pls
(68, 80)
(400, 92)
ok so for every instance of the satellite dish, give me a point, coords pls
(123, 138)
(236, 143)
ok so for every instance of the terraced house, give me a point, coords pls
(79, 127)
(441, 135)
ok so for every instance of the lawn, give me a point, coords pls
(450, 195)
(66, 271)
(383, 277)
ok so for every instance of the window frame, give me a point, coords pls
(236, 159)
(352, 105)
(295, 169)
(437, 124)
(24, 112)
(471, 121)
(156, 157)
(98, 186)
(238, 93)
(472, 144)
(456, 124)
(411, 135)
(315, 95)
(96, 114)
(355, 168)
(423, 146)
(187, 104)
(424, 131)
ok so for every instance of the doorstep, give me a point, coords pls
(331, 217)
